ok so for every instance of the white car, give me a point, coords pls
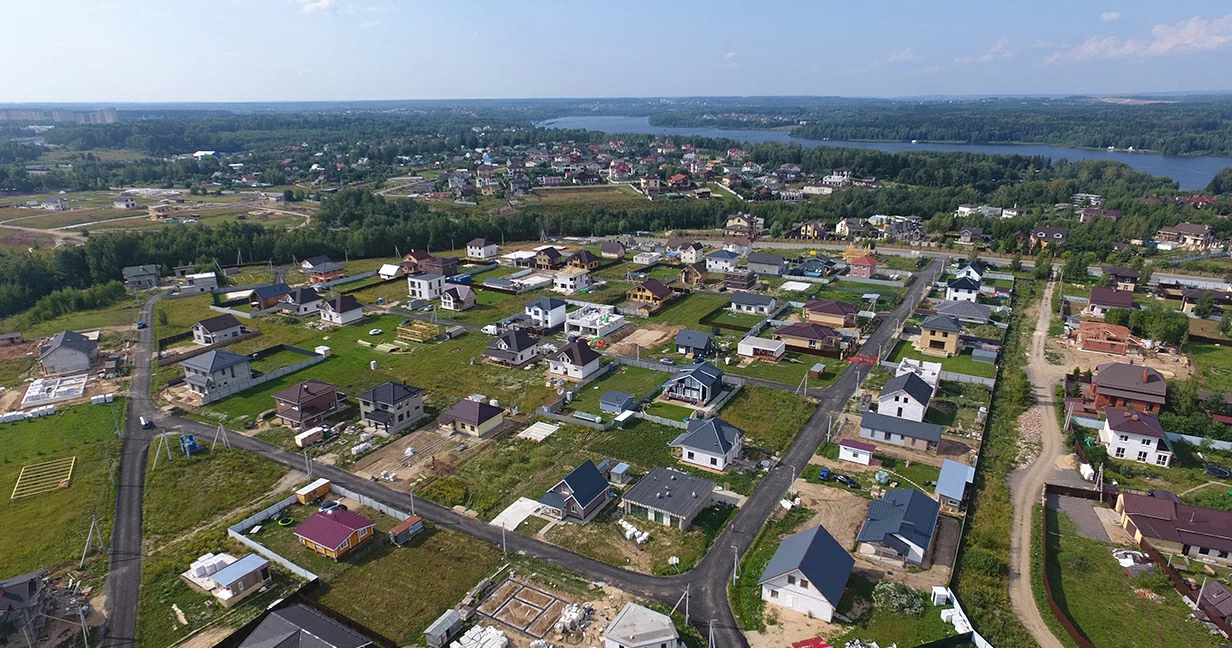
(375, 332)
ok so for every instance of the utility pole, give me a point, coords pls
(710, 638)
(225, 441)
(90, 537)
(307, 463)
(735, 564)
(162, 444)
(504, 547)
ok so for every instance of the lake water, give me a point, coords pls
(1193, 173)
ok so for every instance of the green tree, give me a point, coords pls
(1016, 262)
(1221, 183)
(1205, 305)
(288, 195)
(1117, 316)
(1043, 266)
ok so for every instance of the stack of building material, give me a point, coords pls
(481, 637)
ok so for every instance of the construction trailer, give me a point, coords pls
(313, 491)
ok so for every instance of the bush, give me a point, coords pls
(899, 598)
(446, 491)
(986, 563)
(1155, 582)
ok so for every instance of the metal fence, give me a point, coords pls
(221, 393)
(236, 531)
(662, 421)
(875, 282)
(369, 502)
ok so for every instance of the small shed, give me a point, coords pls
(817, 370)
(406, 529)
(11, 338)
(620, 474)
(455, 332)
(614, 402)
(856, 451)
(313, 491)
(443, 629)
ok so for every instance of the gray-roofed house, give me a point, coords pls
(67, 352)
(721, 261)
(267, 297)
(899, 527)
(963, 311)
(457, 297)
(471, 417)
(513, 348)
(808, 573)
(219, 328)
(299, 626)
(615, 402)
(697, 384)
(903, 432)
(612, 250)
(710, 444)
(141, 277)
(694, 343)
(579, 496)
(391, 406)
(752, 303)
(545, 312)
(237, 581)
(217, 373)
(905, 396)
(25, 603)
(962, 289)
(953, 485)
(767, 264)
(640, 627)
(939, 335)
(303, 300)
(668, 497)
(575, 360)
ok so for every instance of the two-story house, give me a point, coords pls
(651, 292)
(575, 361)
(905, 396)
(219, 328)
(481, 249)
(579, 496)
(808, 574)
(457, 297)
(863, 267)
(612, 250)
(1129, 386)
(391, 407)
(1044, 237)
(939, 335)
(1187, 235)
(1135, 436)
(767, 264)
(217, 373)
(325, 272)
(583, 260)
(341, 310)
(303, 300)
(549, 258)
(829, 312)
(697, 384)
(710, 444)
(67, 352)
(570, 280)
(425, 285)
(545, 313)
(512, 348)
(694, 252)
(307, 404)
(140, 277)
(693, 275)
(1123, 278)
(962, 289)
(722, 261)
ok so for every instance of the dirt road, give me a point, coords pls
(1027, 484)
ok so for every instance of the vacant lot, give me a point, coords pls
(49, 530)
(771, 418)
(580, 197)
(961, 363)
(886, 627)
(603, 539)
(1212, 365)
(634, 381)
(790, 369)
(119, 314)
(688, 311)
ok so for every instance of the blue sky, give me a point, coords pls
(265, 50)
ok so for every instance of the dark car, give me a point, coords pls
(847, 481)
(825, 475)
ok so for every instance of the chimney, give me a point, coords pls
(1145, 376)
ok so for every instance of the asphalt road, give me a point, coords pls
(707, 581)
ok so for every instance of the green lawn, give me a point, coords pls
(1099, 596)
(670, 411)
(853, 293)
(688, 311)
(1213, 365)
(957, 405)
(961, 363)
(634, 381)
(118, 314)
(277, 360)
(770, 417)
(791, 369)
(12, 372)
(491, 306)
(746, 320)
(886, 627)
(86, 432)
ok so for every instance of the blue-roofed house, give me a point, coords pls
(808, 573)
(614, 402)
(899, 527)
(239, 579)
(694, 343)
(875, 426)
(579, 496)
(721, 261)
(953, 485)
(697, 384)
(752, 303)
(710, 444)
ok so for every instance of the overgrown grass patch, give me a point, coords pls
(770, 417)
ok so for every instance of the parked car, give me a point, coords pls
(332, 505)
(375, 332)
(140, 325)
(825, 475)
(847, 481)
(666, 361)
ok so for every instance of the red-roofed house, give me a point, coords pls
(336, 533)
(1177, 528)
(863, 267)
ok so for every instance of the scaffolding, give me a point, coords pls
(417, 331)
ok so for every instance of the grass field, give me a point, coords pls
(771, 418)
(961, 363)
(689, 311)
(791, 369)
(1213, 365)
(49, 530)
(634, 381)
(957, 405)
(746, 320)
(853, 293)
(587, 196)
(669, 411)
(886, 627)
(22, 240)
(118, 314)
(491, 307)
(1099, 597)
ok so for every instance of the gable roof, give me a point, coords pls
(692, 339)
(831, 307)
(656, 288)
(328, 266)
(69, 340)
(816, 554)
(299, 626)
(583, 256)
(215, 360)
(765, 259)
(305, 391)
(962, 309)
(343, 303)
(1112, 298)
(470, 412)
(942, 323)
(913, 385)
(611, 247)
(1141, 382)
(865, 260)
(550, 252)
(330, 529)
(271, 291)
(1050, 232)
(139, 270)
(303, 295)
(460, 292)
(1133, 422)
(751, 299)
(315, 261)
(710, 435)
(903, 427)
(577, 353)
(218, 323)
(807, 330)
(390, 393)
(964, 283)
(1122, 273)
(516, 340)
(903, 511)
(1160, 518)
(586, 482)
(615, 398)
(704, 372)
(953, 480)
(226, 576)
(676, 492)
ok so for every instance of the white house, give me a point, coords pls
(545, 312)
(807, 573)
(570, 280)
(342, 310)
(962, 289)
(302, 300)
(594, 321)
(710, 444)
(1135, 436)
(514, 348)
(457, 297)
(856, 451)
(929, 372)
(752, 303)
(756, 347)
(574, 360)
(639, 627)
(974, 270)
(647, 258)
(721, 261)
(213, 330)
(425, 285)
(899, 527)
(692, 253)
(67, 352)
(481, 249)
(125, 202)
(905, 397)
(391, 271)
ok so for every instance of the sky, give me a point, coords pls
(336, 50)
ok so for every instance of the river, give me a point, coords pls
(1192, 173)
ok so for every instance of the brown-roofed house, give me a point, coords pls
(336, 533)
(693, 275)
(1177, 528)
(830, 312)
(548, 258)
(652, 292)
(307, 404)
(471, 417)
(1191, 235)
(1106, 299)
(806, 335)
(583, 260)
(1119, 384)
(443, 266)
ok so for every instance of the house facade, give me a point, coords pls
(899, 527)
(804, 335)
(1131, 435)
(767, 264)
(905, 396)
(863, 267)
(1129, 386)
(481, 249)
(721, 261)
(832, 313)
(752, 304)
(217, 372)
(808, 574)
(579, 496)
(140, 277)
(513, 348)
(1178, 529)
(1105, 299)
(307, 404)
(697, 384)
(67, 352)
(545, 313)
(425, 285)
(335, 533)
(651, 292)
(391, 407)
(884, 428)
(341, 310)
(301, 301)
(710, 444)
(962, 289)
(457, 297)
(939, 336)
(571, 280)
(213, 330)
(575, 361)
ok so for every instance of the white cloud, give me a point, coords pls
(109, 6)
(370, 24)
(1193, 35)
(901, 55)
(732, 59)
(1000, 51)
(313, 6)
(1110, 16)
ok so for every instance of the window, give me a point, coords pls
(1124, 437)
(804, 583)
(774, 593)
(1120, 453)
(900, 412)
(1204, 551)
(791, 580)
(690, 454)
(1161, 460)
(714, 461)
(945, 334)
(1142, 455)
(1146, 442)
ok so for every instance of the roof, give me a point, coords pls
(328, 266)
(516, 341)
(953, 480)
(673, 491)
(330, 529)
(942, 323)
(271, 291)
(905, 427)
(913, 385)
(305, 391)
(1043, 232)
(479, 242)
(1112, 298)
(586, 482)
(1133, 422)
(902, 511)
(424, 276)
(1163, 519)
(703, 372)
(711, 435)
(831, 307)
(692, 339)
(858, 445)
(17, 592)
(963, 283)
(1135, 379)
(577, 353)
(215, 360)
(547, 303)
(140, 270)
(723, 254)
(218, 323)
(583, 256)
(303, 295)
(1122, 273)
(611, 247)
(765, 259)
(962, 309)
(615, 398)
(70, 340)
(865, 260)
(1193, 229)
(656, 288)
(1216, 595)
(751, 299)
(550, 252)
(976, 266)
(408, 523)
(816, 554)
(469, 412)
(457, 291)
(238, 569)
(807, 330)
(390, 393)
(641, 624)
(299, 626)
(316, 260)
(343, 303)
